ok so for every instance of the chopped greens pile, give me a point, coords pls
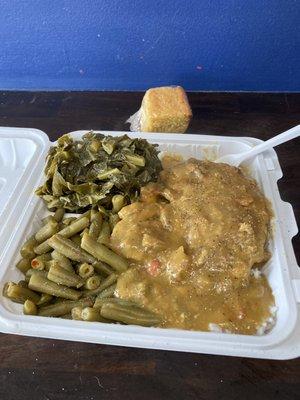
(84, 173)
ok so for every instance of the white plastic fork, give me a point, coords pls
(236, 159)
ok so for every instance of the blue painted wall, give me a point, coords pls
(134, 44)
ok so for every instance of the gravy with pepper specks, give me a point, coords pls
(192, 241)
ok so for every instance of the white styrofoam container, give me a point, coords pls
(22, 155)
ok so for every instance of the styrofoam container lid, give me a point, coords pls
(22, 159)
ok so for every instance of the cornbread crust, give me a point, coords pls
(165, 109)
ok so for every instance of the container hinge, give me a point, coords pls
(296, 287)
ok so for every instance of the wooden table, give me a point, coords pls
(41, 369)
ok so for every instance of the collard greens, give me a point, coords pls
(88, 172)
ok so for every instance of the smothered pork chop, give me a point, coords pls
(193, 240)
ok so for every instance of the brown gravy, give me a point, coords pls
(193, 240)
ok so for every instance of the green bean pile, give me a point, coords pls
(71, 272)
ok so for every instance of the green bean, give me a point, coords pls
(27, 250)
(105, 233)
(92, 314)
(106, 283)
(86, 214)
(93, 213)
(92, 283)
(45, 299)
(66, 232)
(41, 284)
(32, 271)
(102, 253)
(23, 265)
(113, 220)
(29, 308)
(128, 314)
(135, 159)
(62, 276)
(49, 264)
(100, 301)
(76, 239)
(118, 202)
(108, 292)
(5, 287)
(86, 230)
(76, 313)
(96, 224)
(23, 283)
(102, 268)
(62, 260)
(70, 249)
(46, 231)
(46, 219)
(77, 226)
(39, 262)
(66, 316)
(57, 300)
(59, 214)
(102, 210)
(20, 294)
(85, 270)
(43, 247)
(64, 307)
(69, 220)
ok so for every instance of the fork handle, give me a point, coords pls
(275, 141)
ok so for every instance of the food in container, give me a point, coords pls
(274, 344)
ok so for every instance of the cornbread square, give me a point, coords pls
(165, 109)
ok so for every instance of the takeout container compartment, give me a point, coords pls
(22, 160)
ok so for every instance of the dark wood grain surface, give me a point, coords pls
(41, 369)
